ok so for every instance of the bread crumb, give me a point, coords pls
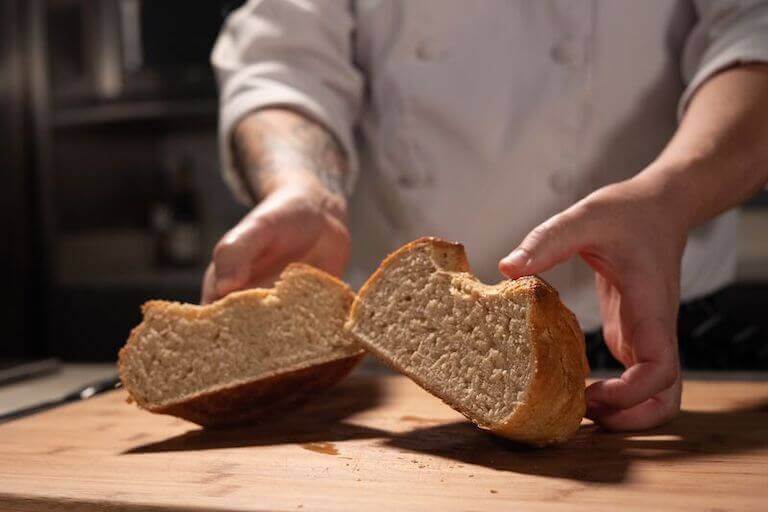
(250, 338)
(472, 345)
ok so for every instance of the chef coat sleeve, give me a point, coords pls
(728, 33)
(288, 53)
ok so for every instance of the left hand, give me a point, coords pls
(631, 236)
(298, 222)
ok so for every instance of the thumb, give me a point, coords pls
(550, 243)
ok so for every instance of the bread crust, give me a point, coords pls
(262, 398)
(461, 264)
(250, 399)
(554, 402)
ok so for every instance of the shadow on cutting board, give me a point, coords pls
(595, 455)
(319, 421)
(592, 456)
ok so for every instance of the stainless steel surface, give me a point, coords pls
(34, 391)
(15, 370)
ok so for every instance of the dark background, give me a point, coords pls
(101, 101)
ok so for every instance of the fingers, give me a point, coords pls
(208, 294)
(635, 386)
(646, 314)
(550, 243)
(648, 392)
(655, 369)
(650, 413)
(291, 224)
(331, 252)
(235, 254)
(264, 281)
(639, 292)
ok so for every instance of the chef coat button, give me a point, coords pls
(568, 52)
(560, 182)
(429, 50)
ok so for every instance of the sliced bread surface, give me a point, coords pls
(244, 356)
(510, 357)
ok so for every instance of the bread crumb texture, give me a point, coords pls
(469, 343)
(182, 350)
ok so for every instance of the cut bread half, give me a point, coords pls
(244, 356)
(510, 357)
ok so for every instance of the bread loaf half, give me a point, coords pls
(510, 357)
(244, 356)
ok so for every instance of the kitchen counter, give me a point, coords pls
(69, 377)
(379, 442)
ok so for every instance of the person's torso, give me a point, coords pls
(481, 122)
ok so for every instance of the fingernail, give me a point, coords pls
(519, 258)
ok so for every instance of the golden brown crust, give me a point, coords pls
(456, 263)
(554, 404)
(461, 264)
(248, 400)
(194, 310)
(261, 398)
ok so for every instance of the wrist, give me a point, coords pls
(308, 189)
(675, 191)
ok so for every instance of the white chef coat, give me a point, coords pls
(476, 121)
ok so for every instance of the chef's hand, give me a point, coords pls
(634, 242)
(295, 222)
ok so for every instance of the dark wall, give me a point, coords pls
(17, 249)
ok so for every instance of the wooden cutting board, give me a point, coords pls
(381, 443)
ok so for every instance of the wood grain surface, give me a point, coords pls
(381, 443)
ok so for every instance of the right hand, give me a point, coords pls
(632, 234)
(295, 222)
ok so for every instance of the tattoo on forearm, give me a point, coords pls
(273, 143)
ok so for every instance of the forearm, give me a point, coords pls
(278, 147)
(719, 156)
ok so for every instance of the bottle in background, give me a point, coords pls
(175, 218)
